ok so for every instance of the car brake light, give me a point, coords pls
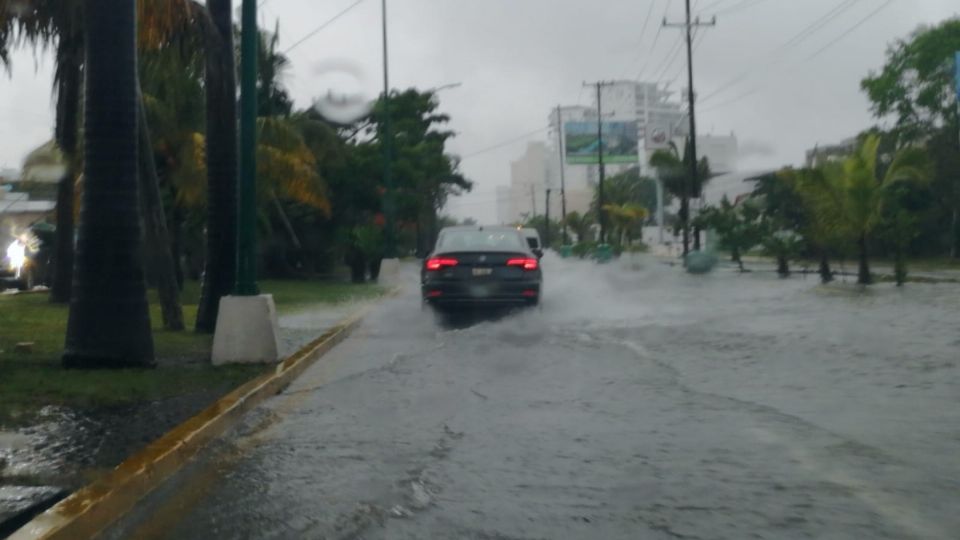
(527, 264)
(436, 263)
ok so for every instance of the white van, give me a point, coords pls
(533, 241)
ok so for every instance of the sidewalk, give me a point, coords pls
(40, 464)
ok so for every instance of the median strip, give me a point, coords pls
(94, 507)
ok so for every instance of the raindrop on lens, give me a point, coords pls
(343, 99)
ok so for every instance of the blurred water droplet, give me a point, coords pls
(343, 99)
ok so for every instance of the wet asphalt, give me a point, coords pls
(638, 403)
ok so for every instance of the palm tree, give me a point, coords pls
(866, 189)
(625, 218)
(221, 144)
(674, 171)
(580, 224)
(109, 322)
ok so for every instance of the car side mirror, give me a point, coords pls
(539, 253)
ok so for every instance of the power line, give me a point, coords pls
(698, 40)
(713, 5)
(656, 38)
(643, 32)
(669, 59)
(850, 30)
(327, 23)
(801, 36)
(745, 4)
(861, 22)
(504, 143)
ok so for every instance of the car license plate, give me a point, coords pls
(482, 271)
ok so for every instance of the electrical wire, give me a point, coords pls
(800, 37)
(836, 40)
(326, 23)
(745, 4)
(669, 59)
(850, 30)
(643, 32)
(656, 38)
(504, 143)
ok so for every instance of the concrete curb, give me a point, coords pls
(93, 508)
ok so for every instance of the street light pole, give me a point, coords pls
(247, 219)
(390, 247)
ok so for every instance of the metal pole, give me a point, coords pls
(563, 184)
(533, 201)
(389, 210)
(247, 220)
(546, 236)
(685, 199)
(601, 215)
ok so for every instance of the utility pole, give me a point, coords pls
(533, 201)
(563, 183)
(247, 227)
(601, 215)
(688, 27)
(546, 236)
(390, 248)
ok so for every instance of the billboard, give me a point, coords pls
(620, 143)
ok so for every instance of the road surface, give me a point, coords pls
(636, 404)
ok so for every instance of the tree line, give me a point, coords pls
(146, 118)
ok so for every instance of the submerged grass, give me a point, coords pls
(31, 376)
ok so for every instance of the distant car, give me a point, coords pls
(476, 266)
(532, 237)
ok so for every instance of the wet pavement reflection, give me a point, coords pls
(641, 402)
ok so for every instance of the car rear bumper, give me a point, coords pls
(480, 294)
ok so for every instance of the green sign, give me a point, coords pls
(620, 143)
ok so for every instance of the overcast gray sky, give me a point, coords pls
(518, 58)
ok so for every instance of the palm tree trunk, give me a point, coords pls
(735, 256)
(826, 274)
(899, 267)
(109, 321)
(783, 266)
(68, 109)
(863, 274)
(221, 87)
(155, 221)
(685, 222)
(696, 238)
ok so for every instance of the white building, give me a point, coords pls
(660, 119)
(529, 180)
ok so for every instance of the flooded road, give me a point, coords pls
(636, 404)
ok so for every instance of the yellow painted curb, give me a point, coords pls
(96, 506)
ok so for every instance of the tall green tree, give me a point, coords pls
(867, 181)
(629, 187)
(109, 322)
(738, 227)
(580, 225)
(914, 91)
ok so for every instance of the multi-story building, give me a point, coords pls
(831, 152)
(660, 120)
(529, 179)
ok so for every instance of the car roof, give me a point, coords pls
(478, 228)
(530, 231)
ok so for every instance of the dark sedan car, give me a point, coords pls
(476, 266)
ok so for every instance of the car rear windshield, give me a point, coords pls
(492, 240)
